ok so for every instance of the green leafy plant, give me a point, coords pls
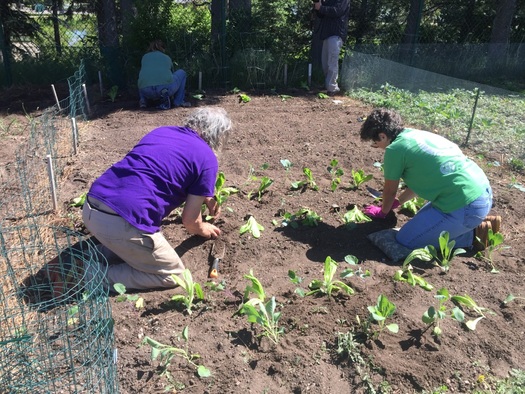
(260, 312)
(296, 280)
(380, 312)
(359, 177)
(112, 93)
(304, 216)
(336, 173)
(252, 227)
(78, 201)
(494, 244)
(285, 97)
(264, 183)
(512, 297)
(354, 216)
(166, 353)
(328, 285)
(309, 182)
(193, 291)
(135, 298)
(322, 95)
(413, 205)
(265, 315)
(433, 316)
(244, 98)
(287, 164)
(406, 275)
(221, 192)
(443, 259)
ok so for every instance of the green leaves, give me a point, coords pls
(328, 285)
(355, 215)
(193, 290)
(382, 311)
(221, 192)
(252, 227)
(359, 177)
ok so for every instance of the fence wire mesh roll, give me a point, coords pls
(56, 329)
(53, 338)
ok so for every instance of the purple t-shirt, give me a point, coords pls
(157, 175)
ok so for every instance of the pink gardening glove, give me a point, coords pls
(374, 211)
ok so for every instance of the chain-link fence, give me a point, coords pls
(56, 330)
(256, 44)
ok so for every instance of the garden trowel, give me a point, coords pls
(374, 193)
(217, 253)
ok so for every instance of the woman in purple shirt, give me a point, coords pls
(125, 206)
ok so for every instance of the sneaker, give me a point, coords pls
(165, 102)
(184, 104)
(482, 236)
(143, 104)
(495, 222)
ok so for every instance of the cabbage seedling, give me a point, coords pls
(121, 290)
(308, 183)
(355, 215)
(382, 311)
(266, 316)
(336, 173)
(252, 227)
(221, 192)
(165, 353)
(328, 285)
(192, 289)
(359, 178)
(406, 275)
(493, 244)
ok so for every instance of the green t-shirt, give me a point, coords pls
(156, 69)
(435, 169)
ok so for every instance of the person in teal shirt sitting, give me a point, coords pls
(157, 81)
(456, 189)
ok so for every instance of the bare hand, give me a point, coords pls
(213, 207)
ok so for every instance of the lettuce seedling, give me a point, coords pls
(308, 183)
(494, 242)
(328, 285)
(165, 353)
(266, 316)
(265, 183)
(413, 205)
(336, 173)
(253, 227)
(121, 290)
(406, 275)
(382, 311)
(359, 178)
(221, 192)
(192, 289)
(447, 251)
(353, 216)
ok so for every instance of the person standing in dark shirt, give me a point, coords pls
(333, 29)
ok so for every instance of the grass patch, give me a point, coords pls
(499, 120)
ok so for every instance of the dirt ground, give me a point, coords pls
(309, 132)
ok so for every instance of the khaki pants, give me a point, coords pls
(140, 260)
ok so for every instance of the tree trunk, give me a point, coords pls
(56, 30)
(109, 42)
(410, 36)
(501, 29)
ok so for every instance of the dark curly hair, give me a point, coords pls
(381, 120)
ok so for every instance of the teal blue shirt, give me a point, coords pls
(156, 69)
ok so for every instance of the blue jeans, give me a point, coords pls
(176, 89)
(429, 222)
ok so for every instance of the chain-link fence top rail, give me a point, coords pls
(55, 336)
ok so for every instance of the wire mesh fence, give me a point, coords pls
(56, 330)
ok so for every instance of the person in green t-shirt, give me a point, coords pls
(157, 81)
(456, 189)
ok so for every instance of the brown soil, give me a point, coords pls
(309, 132)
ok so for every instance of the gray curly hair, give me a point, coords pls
(212, 124)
